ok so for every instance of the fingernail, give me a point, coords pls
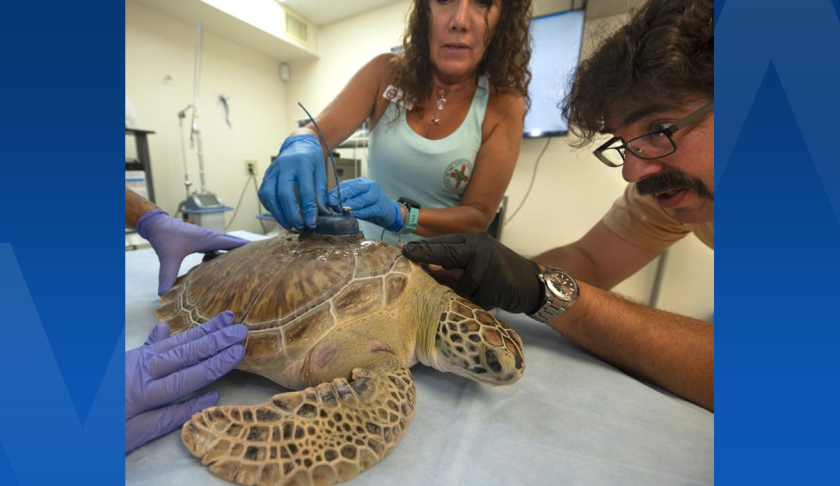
(227, 317)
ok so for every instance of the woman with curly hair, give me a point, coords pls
(446, 118)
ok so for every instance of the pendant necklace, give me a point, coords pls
(441, 103)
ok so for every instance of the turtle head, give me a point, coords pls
(472, 343)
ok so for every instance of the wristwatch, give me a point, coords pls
(412, 210)
(561, 291)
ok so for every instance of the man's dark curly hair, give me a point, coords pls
(505, 61)
(664, 55)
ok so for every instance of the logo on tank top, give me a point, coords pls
(457, 176)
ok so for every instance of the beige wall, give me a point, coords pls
(157, 46)
(571, 192)
(343, 48)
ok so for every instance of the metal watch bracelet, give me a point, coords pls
(561, 291)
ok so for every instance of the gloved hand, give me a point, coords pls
(494, 275)
(173, 239)
(166, 368)
(368, 201)
(301, 161)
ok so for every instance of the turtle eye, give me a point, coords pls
(492, 361)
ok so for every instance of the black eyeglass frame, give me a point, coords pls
(667, 131)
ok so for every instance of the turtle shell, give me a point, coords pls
(289, 291)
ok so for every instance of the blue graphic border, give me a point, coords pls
(778, 204)
(61, 267)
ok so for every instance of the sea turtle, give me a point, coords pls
(341, 319)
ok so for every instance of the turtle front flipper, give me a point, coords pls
(319, 436)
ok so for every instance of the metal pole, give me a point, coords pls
(181, 115)
(195, 133)
(657, 280)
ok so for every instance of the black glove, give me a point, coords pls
(494, 275)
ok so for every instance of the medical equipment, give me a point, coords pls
(187, 182)
(204, 208)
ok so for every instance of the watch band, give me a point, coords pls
(411, 221)
(557, 300)
(412, 210)
(547, 312)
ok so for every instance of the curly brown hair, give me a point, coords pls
(505, 61)
(664, 54)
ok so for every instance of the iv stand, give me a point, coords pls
(195, 133)
(204, 208)
(187, 182)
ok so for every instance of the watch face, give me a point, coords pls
(562, 286)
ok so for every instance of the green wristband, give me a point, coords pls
(411, 221)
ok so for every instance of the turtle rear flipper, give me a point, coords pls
(320, 436)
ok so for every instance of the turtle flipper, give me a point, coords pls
(319, 436)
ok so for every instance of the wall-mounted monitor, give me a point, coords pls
(556, 41)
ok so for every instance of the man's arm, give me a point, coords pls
(171, 238)
(136, 206)
(601, 258)
(674, 352)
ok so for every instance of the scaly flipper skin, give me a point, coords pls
(317, 436)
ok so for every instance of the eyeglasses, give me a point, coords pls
(649, 146)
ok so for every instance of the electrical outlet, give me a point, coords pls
(250, 167)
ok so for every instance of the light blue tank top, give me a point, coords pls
(435, 173)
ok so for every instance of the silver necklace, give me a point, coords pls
(441, 102)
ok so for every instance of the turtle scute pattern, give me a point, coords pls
(317, 436)
(320, 312)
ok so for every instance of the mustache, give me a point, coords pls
(671, 180)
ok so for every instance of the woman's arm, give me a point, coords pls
(360, 99)
(294, 188)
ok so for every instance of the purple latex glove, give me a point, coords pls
(368, 201)
(167, 368)
(173, 239)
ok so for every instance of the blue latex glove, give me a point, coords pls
(301, 161)
(173, 239)
(167, 368)
(368, 201)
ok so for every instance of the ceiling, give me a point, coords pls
(323, 12)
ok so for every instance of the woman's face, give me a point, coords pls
(458, 28)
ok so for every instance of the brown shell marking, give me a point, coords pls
(299, 336)
(266, 284)
(358, 297)
(371, 260)
(310, 279)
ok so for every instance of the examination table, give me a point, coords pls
(571, 419)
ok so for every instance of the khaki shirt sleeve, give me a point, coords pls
(639, 220)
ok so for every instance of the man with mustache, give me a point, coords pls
(650, 87)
